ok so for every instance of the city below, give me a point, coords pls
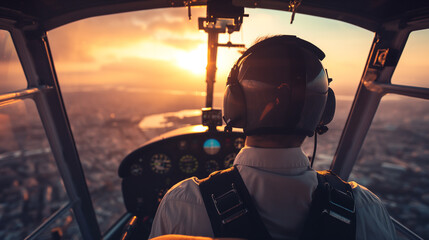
(109, 124)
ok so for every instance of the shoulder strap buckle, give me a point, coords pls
(229, 202)
(230, 207)
(341, 204)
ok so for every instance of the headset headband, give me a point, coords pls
(233, 76)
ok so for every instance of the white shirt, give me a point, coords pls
(281, 182)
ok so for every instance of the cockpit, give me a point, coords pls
(106, 105)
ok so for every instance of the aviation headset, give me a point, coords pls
(302, 114)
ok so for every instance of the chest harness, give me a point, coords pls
(232, 211)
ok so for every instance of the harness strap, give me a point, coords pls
(229, 206)
(232, 212)
(332, 213)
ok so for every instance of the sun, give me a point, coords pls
(194, 61)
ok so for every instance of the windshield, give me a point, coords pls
(127, 78)
(11, 73)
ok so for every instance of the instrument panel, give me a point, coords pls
(149, 171)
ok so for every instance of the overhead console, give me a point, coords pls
(148, 172)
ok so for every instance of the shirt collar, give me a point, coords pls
(272, 158)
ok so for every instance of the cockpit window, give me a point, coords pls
(64, 226)
(394, 160)
(127, 78)
(11, 74)
(413, 66)
(30, 189)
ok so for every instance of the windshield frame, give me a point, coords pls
(33, 50)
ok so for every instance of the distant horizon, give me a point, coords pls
(217, 94)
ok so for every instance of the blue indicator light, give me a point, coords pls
(211, 146)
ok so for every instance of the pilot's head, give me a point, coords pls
(279, 86)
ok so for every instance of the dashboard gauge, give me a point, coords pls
(136, 170)
(160, 163)
(211, 166)
(188, 164)
(211, 146)
(239, 143)
(229, 160)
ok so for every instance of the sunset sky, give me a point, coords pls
(162, 49)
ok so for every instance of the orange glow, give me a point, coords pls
(194, 60)
(133, 220)
(124, 236)
(199, 128)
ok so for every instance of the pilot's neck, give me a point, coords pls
(275, 141)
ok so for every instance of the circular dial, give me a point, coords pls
(160, 163)
(229, 160)
(211, 166)
(239, 143)
(211, 146)
(136, 170)
(188, 164)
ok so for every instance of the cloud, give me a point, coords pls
(136, 72)
(79, 40)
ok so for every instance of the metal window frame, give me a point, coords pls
(374, 85)
(32, 47)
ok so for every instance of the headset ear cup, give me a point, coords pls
(234, 106)
(329, 112)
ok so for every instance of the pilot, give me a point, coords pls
(278, 93)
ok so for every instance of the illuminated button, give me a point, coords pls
(160, 163)
(211, 146)
(188, 164)
(239, 143)
(183, 145)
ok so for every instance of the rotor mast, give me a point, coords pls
(211, 69)
(221, 17)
